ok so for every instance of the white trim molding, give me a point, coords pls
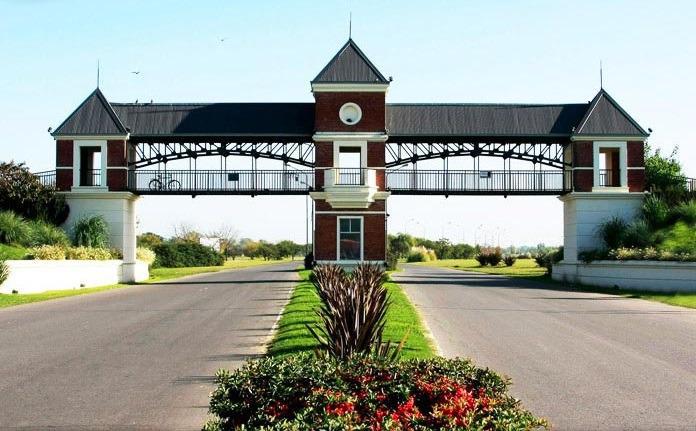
(92, 137)
(350, 136)
(335, 87)
(608, 138)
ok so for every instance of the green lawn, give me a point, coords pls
(527, 268)
(522, 268)
(292, 335)
(157, 274)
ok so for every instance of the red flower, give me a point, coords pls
(340, 409)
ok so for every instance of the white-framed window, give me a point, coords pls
(610, 165)
(350, 238)
(89, 163)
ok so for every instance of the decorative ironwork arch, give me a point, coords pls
(149, 152)
(544, 153)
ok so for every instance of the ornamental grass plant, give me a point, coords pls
(353, 309)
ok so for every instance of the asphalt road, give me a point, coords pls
(141, 357)
(585, 361)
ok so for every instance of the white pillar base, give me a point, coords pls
(117, 208)
(583, 212)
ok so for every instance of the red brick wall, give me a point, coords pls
(583, 180)
(64, 153)
(374, 236)
(376, 159)
(636, 154)
(116, 153)
(583, 154)
(328, 104)
(64, 179)
(325, 237)
(117, 179)
(636, 180)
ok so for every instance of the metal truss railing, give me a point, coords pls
(451, 182)
(152, 152)
(542, 153)
(201, 182)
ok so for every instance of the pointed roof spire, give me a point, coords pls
(350, 66)
(94, 116)
(605, 117)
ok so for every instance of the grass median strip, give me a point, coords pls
(292, 335)
(528, 269)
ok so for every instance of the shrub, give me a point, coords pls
(685, 212)
(353, 309)
(4, 272)
(613, 231)
(306, 393)
(88, 253)
(91, 232)
(43, 233)
(655, 212)
(149, 240)
(392, 261)
(23, 193)
(179, 254)
(490, 256)
(47, 252)
(146, 255)
(548, 257)
(638, 234)
(421, 254)
(509, 259)
(14, 229)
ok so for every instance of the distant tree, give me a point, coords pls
(149, 240)
(401, 244)
(463, 251)
(234, 250)
(227, 236)
(186, 232)
(249, 247)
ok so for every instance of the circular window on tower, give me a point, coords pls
(350, 113)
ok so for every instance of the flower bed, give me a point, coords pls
(306, 393)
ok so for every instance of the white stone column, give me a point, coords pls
(119, 211)
(584, 212)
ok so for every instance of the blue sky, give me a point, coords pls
(437, 51)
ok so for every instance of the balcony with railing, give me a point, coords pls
(90, 178)
(609, 178)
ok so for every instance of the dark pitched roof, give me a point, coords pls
(483, 119)
(350, 65)
(94, 116)
(243, 119)
(605, 117)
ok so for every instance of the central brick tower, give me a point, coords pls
(350, 136)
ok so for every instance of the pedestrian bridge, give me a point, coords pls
(300, 182)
